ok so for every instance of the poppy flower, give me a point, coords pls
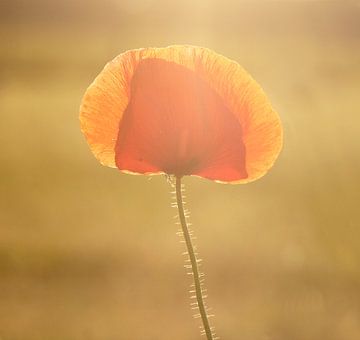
(180, 110)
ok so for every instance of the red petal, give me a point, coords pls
(176, 123)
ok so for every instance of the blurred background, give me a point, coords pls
(89, 253)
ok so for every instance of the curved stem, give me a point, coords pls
(193, 260)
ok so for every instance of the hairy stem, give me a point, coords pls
(194, 262)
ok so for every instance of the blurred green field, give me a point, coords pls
(89, 253)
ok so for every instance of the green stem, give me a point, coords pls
(193, 260)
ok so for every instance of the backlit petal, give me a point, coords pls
(181, 110)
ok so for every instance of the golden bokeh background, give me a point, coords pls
(89, 253)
